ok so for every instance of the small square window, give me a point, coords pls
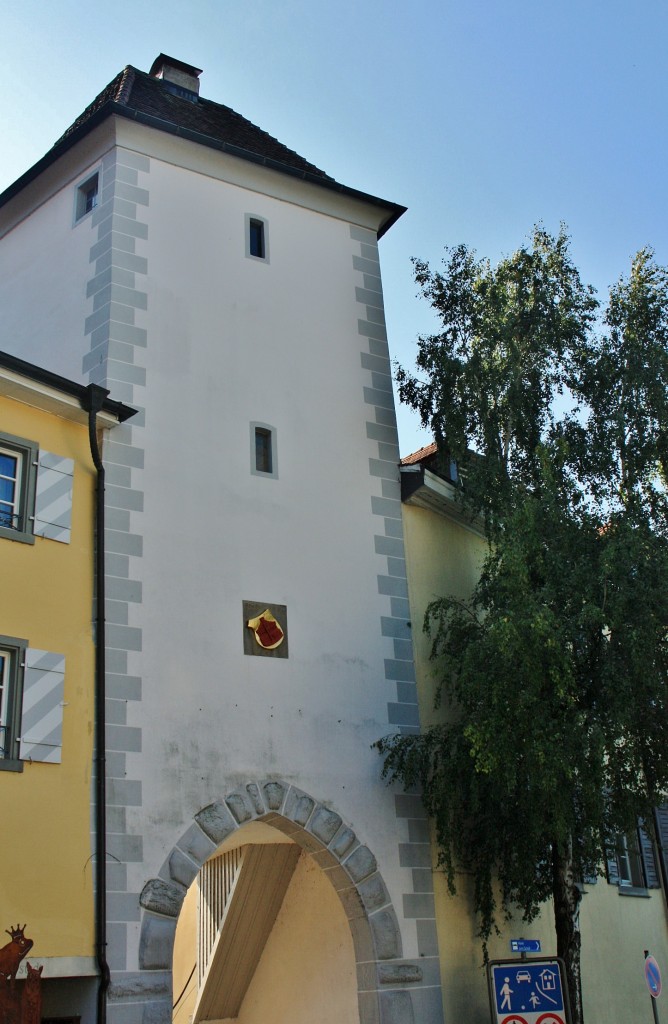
(263, 450)
(257, 238)
(18, 459)
(86, 197)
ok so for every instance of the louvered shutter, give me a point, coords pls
(42, 707)
(53, 497)
(661, 818)
(650, 866)
(612, 868)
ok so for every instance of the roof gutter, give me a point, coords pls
(47, 379)
(95, 399)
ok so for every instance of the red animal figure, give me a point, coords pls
(12, 954)
(31, 1004)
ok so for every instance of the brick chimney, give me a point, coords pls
(183, 76)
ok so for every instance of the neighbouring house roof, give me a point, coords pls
(420, 455)
(429, 480)
(33, 384)
(153, 101)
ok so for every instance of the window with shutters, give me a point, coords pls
(18, 462)
(35, 492)
(32, 690)
(632, 864)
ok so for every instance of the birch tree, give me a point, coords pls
(554, 733)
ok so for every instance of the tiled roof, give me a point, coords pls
(420, 455)
(169, 104)
(138, 91)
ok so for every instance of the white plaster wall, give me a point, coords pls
(233, 340)
(44, 268)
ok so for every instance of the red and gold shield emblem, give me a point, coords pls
(267, 630)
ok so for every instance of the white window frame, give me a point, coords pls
(629, 864)
(250, 220)
(23, 502)
(10, 508)
(81, 193)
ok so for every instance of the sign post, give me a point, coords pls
(653, 979)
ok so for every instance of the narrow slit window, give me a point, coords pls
(263, 452)
(256, 239)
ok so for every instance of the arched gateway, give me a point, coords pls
(384, 979)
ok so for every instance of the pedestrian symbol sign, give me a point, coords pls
(527, 992)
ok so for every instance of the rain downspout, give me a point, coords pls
(95, 396)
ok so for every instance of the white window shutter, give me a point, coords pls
(53, 498)
(42, 707)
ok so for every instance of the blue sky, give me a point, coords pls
(481, 117)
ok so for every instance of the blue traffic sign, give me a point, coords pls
(525, 945)
(527, 987)
(653, 976)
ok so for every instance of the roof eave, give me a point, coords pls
(425, 489)
(47, 379)
(112, 108)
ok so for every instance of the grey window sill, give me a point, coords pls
(633, 890)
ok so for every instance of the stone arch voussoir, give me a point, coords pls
(349, 865)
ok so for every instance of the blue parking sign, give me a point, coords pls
(527, 988)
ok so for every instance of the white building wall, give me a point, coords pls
(205, 340)
(237, 341)
(45, 265)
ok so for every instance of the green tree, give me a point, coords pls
(554, 733)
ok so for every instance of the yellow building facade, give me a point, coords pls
(47, 678)
(620, 916)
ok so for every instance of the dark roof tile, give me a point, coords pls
(152, 96)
